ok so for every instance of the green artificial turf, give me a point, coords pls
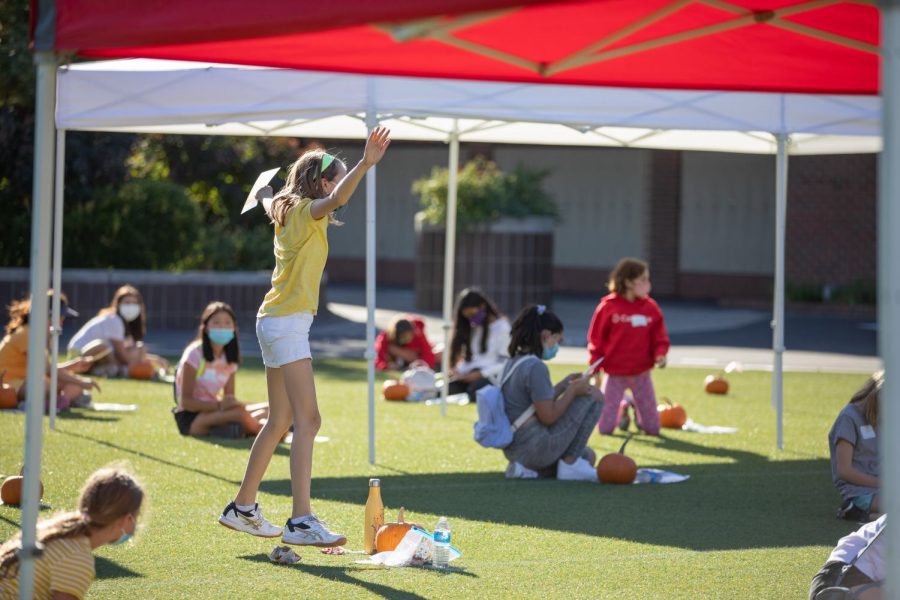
(752, 521)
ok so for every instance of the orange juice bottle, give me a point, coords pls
(374, 515)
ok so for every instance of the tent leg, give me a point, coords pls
(371, 123)
(449, 259)
(42, 201)
(781, 166)
(889, 281)
(55, 327)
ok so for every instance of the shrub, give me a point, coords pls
(485, 193)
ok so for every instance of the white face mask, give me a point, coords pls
(129, 311)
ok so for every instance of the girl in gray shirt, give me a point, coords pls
(853, 442)
(554, 438)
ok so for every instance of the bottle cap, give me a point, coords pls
(374, 483)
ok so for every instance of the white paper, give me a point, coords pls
(659, 476)
(694, 427)
(261, 182)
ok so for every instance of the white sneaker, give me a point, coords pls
(516, 470)
(252, 522)
(580, 470)
(311, 532)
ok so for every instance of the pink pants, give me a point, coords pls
(614, 404)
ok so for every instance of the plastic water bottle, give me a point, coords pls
(441, 557)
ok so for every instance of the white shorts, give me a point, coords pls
(284, 339)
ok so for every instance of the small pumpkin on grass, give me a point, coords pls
(389, 535)
(715, 384)
(616, 467)
(9, 398)
(141, 370)
(671, 416)
(11, 490)
(394, 390)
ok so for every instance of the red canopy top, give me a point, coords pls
(805, 46)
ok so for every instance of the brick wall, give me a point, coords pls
(831, 219)
(662, 222)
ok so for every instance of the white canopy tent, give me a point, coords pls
(192, 98)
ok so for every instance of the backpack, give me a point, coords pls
(493, 429)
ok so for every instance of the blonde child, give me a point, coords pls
(853, 444)
(628, 332)
(108, 510)
(316, 185)
(207, 369)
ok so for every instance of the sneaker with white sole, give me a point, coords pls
(515, 470)
(580, 470)
(311, 532)
(252, 521)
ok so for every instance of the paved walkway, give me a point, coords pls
(703, 334)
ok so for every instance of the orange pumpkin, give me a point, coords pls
(8, 396)
(141, 370)
(616, 467)
(671, 416)
(389, 535)
(11, 490)
(394, 390)
(715, 384)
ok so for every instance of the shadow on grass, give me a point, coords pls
(153, 458)
(78, 415)
(341, 574)
(736, 505)
(107, 569)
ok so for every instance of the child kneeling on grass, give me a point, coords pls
(107, 513)
(553, 440)
(853, 443)
(207, 369)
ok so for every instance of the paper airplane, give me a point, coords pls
(261, 191)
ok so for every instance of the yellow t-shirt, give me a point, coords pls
(301, 249)
(66, 566)
(14, 354)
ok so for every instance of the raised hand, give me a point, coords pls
(376, 145)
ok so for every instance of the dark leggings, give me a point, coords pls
(462, 387)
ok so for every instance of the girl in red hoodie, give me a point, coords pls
(629, 333)
(403, 343)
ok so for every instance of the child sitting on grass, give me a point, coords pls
(107, 513)
(853, 443)
(206, 370)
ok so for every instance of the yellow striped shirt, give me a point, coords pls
(66, 566)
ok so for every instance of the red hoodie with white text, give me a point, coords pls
(629, 334)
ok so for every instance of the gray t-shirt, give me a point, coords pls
(851, 425)
(528, 384)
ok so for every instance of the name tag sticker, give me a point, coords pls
(638, 321)
(867, 432)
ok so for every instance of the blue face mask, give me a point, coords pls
(122, 539)
(220, 336)
(550, 353)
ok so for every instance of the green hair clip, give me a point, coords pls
(327, 159)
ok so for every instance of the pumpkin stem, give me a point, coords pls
(400, 516)
(667, 401)
(625, 443)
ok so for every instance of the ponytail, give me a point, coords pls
(65, 525)
(525, 337)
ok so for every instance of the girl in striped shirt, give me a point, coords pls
(107, 514)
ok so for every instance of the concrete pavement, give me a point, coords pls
(703, 334)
